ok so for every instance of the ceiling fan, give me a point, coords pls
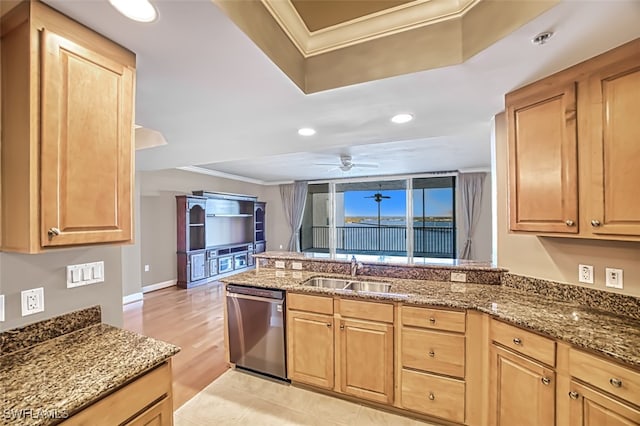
(346, 164)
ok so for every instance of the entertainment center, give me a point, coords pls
(218, 233)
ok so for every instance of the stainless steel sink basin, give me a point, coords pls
(349, 285)
(369, 286)
(327, 283)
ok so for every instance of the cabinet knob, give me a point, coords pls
(432, 354)
(341, 326)
(616, 383)
(431, 396)
(52, 232)
(569, 222)
(595, 223)
(328, 324)
(545, 381)
(574, 395)
(517, 341)
(432, 320)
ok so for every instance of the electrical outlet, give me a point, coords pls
(279, 264)
(147, 268)
(459, 277)
(585, 274)
(1, 307)
(32, 301)
(613, 277)
(296, 265)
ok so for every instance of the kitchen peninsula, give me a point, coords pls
(457, 352)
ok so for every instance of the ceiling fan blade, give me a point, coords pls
(327, 164)
(365, 165)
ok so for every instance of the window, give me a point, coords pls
(373, 218)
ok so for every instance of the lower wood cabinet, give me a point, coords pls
(366, 360)
(522, 390)
(310, 348)
(590, 407)
(145, 401)
(354, 357)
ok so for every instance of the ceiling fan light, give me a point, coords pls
(401, 118)
(306, 131)
(137, 10)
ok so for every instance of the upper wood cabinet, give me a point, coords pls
(573, 146)
(543, 177)
(67, 120)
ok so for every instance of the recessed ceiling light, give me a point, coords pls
(402, 118)
(138, 10)
(542, 38)
(306, 131)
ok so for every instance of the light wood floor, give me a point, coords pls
(192, 319)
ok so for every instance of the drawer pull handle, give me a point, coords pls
(595, 223)
(432, 320)
(431, 396)
(545, 381)
(574, 395)
(569, 222)
(616, 383)
(432, 354)
(517, 341)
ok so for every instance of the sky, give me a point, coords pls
(438, 203)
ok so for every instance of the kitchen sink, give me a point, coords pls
(369, 286)
(327, 283)
(349, 285)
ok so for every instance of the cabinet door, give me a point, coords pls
(592, 408)
(522, 391)
(366, 360)
(615, 134)
(543, 180)
(310, 348)
(198, 271)
(86, 151)
(160, 414)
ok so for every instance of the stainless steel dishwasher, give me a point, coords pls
(257, 330)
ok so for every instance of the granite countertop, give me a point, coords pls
(457, 264)
(614, 336)
(45, 383)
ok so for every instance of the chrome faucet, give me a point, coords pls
(355, 265)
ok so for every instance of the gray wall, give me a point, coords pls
(25, 271)
(131, 269)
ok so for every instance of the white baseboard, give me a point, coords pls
(132, 298)
(158, 286)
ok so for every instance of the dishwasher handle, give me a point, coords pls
(256, 298)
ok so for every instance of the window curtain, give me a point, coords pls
(294, 197)
(470, 187)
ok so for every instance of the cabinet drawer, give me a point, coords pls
(615, 379)
(438, 319)
(433, 395)
(371, 311)
(309, 303)
(128, 401)
(433, 351)
(537, 347)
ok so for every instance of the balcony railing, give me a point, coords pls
(428, 241)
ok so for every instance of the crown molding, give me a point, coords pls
(205, 171)
(387, 22)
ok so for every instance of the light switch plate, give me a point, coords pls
(296, 265)
(85, 274)
(279, 264)
(460, 277)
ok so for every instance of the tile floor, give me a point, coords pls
(239, 398)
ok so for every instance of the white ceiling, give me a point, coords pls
(220, 102)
